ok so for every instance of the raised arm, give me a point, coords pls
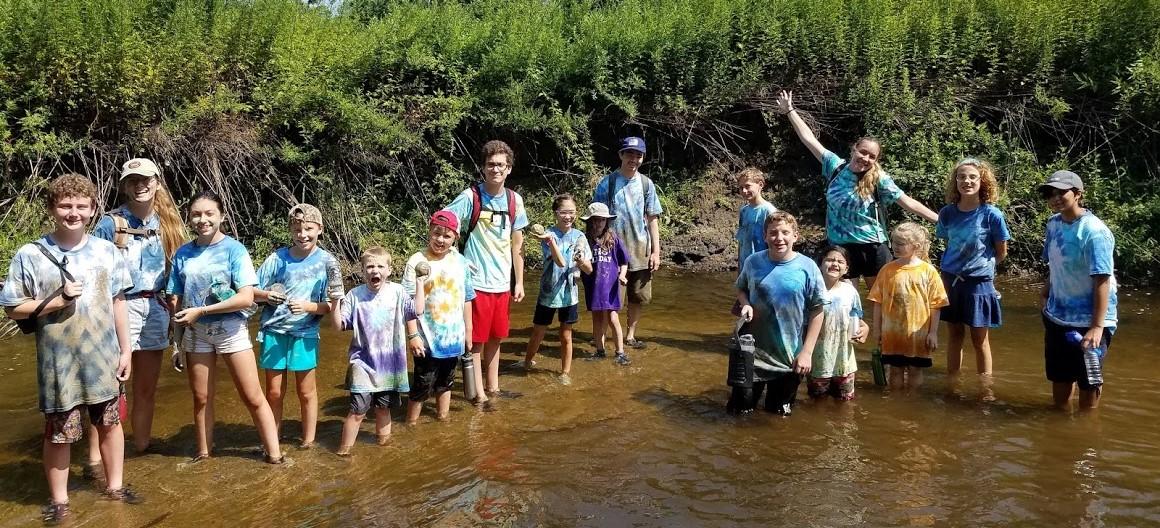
(807, 137)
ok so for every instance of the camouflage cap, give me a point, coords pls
(304, 212)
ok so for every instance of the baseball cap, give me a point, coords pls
(598, 210)
(632, 143)
(1062, 179)
(445, 218)
(140, 166)
(304, 212)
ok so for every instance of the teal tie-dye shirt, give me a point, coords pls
(1075, 252)
(446, 290)
(197, 268)
(76, 347)
(558, 287)
(850, 218)
(751, 230)
(305, 279)
(782, 295)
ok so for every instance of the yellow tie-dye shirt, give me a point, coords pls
(907, 294)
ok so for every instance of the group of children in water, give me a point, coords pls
(453, 301)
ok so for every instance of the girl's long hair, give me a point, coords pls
(605, 239)
(988, 184)
(173, 232)
(914, 235)
(868, 183)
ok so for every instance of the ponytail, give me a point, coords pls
(173, 233)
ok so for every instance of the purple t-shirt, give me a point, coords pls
(601, 287)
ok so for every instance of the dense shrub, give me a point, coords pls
(374, 108)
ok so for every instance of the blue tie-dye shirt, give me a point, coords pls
(145, 256)
(489, 248)
(971, 237)
(782, 294)
(632, 206)
(850, 218)
(751, 230)
(77, 350)
(558, 285)
(1075, 252)
(305, 280)
(197, 268)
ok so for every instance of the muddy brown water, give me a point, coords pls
(650, 445)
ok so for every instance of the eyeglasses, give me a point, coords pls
(1048, 194)
(495, 165)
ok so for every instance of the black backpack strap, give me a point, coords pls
(60, 265)
(834, 175)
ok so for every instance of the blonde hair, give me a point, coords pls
(751, 174)
(779, 216)
(988, 184)
(375, 252)
(868, 183)
(915, 236)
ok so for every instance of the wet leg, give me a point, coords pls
(382, 424)
(617, 332)
(146, 372)
(307, 387)
(350, 428)
(534, 342)
(244, 371)
(1061, 394)
(635, 311)
(201, 383)
(112, 440)
(56, 461)
(276, 395)
(565, 348)
(955, 335)
(491, 361)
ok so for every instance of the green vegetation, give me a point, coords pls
(375, 112)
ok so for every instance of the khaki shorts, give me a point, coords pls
(226, 336)
(67, 428)
(639, 287)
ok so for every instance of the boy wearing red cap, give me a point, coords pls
(439, 281)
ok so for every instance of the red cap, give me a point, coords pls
(445, 218)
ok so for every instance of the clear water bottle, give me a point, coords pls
(1092, 358)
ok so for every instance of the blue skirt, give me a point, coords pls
(973, 301)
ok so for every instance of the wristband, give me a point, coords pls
(67, 297)
(412, 336)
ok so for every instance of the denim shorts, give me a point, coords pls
(148, 323)
(224, 336)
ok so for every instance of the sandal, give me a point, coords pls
(200, 457)
(54, 512)
(274, 461)
(344, 451)
(634, 343)
(123, 494)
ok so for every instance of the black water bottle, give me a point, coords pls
(741, 348)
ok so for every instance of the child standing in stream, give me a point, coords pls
(834, 365)
(602, 284)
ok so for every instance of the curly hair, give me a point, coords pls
(494, 147)
(71, 185)
(988, 184)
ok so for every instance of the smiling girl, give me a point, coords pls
(834, 363)
(212, 282)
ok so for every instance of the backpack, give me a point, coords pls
(646, 185)
(28, 326)
(477, 209)
(122, 231)
(879, 206)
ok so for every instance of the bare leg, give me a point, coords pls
(414, 409)
(491, 360)
(244, 370)
(201, 383)
(276, 395)
(613, 320)
(349, 432)
(897, 377)
(94, 444)
(534, 341)
(914, 377)
(477, 360)
(565, 348)
(308, 401)
(980, 338)
(634, 314)
(1089, 399)
(443, 405)
(112, 439)
(1061, 393)
(382, 424)
(56, 459)
(599, 325)
(955, 334)
(146, 371)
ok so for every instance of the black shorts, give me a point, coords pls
(432, 376)
(867, 259)
(1064, 360)
(544, 315)
(362, 402)
(899, 360)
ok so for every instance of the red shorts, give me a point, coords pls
(489, 316)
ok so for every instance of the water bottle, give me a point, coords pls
(467, 368)
(877, 368)
(221, 291)
(741, 348)
(1092, 358)
(334, 285)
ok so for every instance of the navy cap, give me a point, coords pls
(1063, 180)
(632, 143)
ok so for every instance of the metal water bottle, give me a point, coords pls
(467, 368)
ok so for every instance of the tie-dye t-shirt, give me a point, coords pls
(971, 237)
(558, 287)
(751, 230)
(1076, 251)
(447, 288)
(907, 293)
(632, 212)
(197, 268)
(305, 279)
(834, 353)
(76, 347)
(782, 294)
(378, 344)
(489, 248)
(850, 218)
(145, 256)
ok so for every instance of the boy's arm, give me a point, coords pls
(1000, 252)
(414, 340)
(803, 362)
(25, 309)
(1101, 292)
(420, 297)
(746, 308)
(518, 264)
(121, 324)
(336, 319)
(467, 324)
(654, 236)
